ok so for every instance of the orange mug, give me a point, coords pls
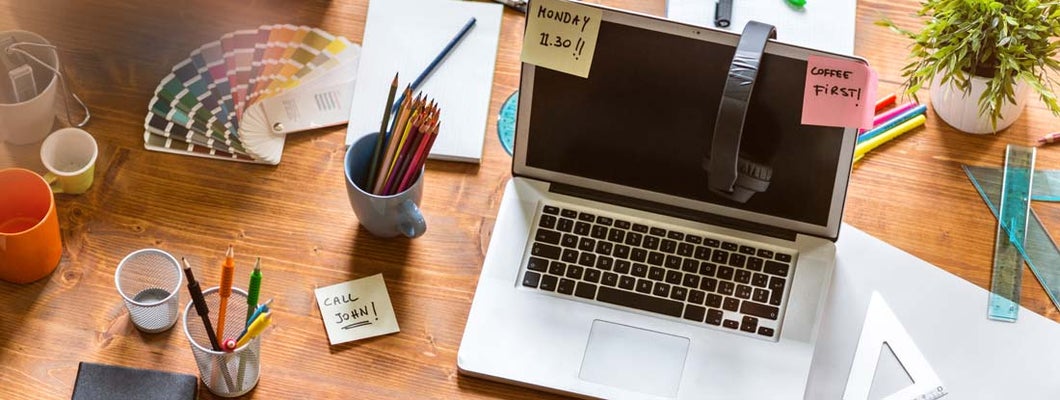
(30, 242)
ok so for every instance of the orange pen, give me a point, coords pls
(225, 290)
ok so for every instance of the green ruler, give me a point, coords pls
(1038, 249)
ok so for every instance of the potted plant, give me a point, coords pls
(981, 56)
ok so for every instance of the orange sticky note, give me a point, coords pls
(838, 93)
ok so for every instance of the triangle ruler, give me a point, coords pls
(882, 331)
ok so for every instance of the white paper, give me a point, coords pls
(820, 24)
(356, 309)
(404, 36)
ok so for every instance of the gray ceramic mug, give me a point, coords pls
(383, 216)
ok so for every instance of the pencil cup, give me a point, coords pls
(383, 216)
(149, 281)
(226, 374)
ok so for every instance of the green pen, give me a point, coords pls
(253, 289)
(797, 3)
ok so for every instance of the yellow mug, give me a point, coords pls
(69, 154)
(30, 240)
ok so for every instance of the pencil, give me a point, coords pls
(224, 291)
(201, 307)
(370, 179)
(863, 148)
(438, 58)
(253, 289)
(395, 135)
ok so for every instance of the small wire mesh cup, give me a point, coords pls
(149, 281)
(226, 374)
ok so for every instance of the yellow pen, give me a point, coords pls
(255, 328)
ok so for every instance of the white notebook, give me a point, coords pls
(404, 36)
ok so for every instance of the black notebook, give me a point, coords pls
(111, 382)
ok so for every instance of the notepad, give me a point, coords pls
(112, 382)
(403, 36)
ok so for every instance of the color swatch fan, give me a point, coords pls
(238, 97)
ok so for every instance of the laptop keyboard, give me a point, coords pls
(713, 281)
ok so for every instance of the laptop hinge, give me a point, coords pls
(672, 211)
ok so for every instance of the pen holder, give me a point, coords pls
(226, 374)
(149, 281)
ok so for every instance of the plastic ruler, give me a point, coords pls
(1037, 248)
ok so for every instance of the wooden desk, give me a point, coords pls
(296, 217)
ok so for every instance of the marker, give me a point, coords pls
(863, 148)
(255, 329)
(885, 102)
(884, 127)
(797, 3)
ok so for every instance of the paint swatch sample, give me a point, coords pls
(238, 97)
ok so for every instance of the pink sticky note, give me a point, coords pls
(838, 93)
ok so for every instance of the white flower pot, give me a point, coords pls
(961, 111)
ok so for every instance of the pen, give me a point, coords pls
(263, 307)
(225, 290)
(723, 13)
(437, 60)
(255, 328)
(253, 289)
(200, 305)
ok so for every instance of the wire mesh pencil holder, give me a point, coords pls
(149, 282)
(225, 374)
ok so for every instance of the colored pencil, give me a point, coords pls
(370, 179)
(438, 58)
(396, 130)
(420, 158)
(224, 291)
(1050, 138)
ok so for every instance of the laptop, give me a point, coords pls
(614, 271)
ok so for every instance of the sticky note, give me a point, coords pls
(561, 36)
(838, 93)
(356, 309)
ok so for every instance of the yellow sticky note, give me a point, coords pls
(561, 35)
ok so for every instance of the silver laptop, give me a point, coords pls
(614, 271)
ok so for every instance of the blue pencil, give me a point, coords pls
(893, 122)
(437, 60)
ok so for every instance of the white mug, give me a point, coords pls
(28, 121)
(69, 154)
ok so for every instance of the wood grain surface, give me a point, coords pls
(296, 217)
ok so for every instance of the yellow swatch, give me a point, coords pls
(561, 35)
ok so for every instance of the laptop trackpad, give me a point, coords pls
(634, 359)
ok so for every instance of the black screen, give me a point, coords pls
(645, 115)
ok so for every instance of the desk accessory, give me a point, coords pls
(883, 331)
(24, 121)
(69, 154)
(356, 309)
(1039, 249)
(404, 36)
(216, 367)
(1013, 212)
(238, 97)
(29, 227)
(149, 281)
(506, 122)
(113, 382)
(385, 215)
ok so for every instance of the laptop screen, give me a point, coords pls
(644, 119)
